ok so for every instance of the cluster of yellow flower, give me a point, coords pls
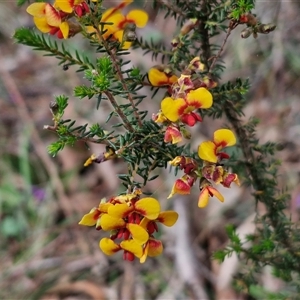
(132, 222)
(211, 171)
(55, 19)
(188, 94)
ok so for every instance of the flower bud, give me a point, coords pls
(266, 28)
(188, 26)
(246, 32)
(53, 107)
(129, 34)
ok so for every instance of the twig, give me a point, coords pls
(120, 75)
(118, 110)
(78, 138)
(220, 50)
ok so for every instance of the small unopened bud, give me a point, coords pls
(53, 107)
(266, 28)
(74, 28)
(129, 34)
(188, 26)
(196, 64)
(246, 32)
(175, 43)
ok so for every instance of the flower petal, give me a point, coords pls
(168, 218)
(144, 223)
(203, 198)
(52, 16)
(108, 246)
(148, 207)
(199, 98)
(112, 11)
(90, 219)
(155, 247)
(64, 28)
(145, 253)
(180, 187)
(157, 78)
(133, 247)
(207, 151)
(103, 207)
(137, 16)
(42, 24)
(139, 234)
(215, 193)
(173, 135)
(224, 138)
(65, 5)
(109, 223)
(37, 9)
(119, 210)
(172, 109)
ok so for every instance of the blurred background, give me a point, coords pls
(45, 254)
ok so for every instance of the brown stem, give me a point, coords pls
(221, 50)
(119, 111)
(119, 72)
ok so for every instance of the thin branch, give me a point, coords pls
(119, 72)
(229, 30)
(78, 138)
(119, 111)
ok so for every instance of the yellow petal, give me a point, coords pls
(199, 98)
(52, 16)
(137, 16)
(168, 217)
(172, 109)
(108, 246)
(118, 35)
(103, 207)
(139, 234)
(119, 210)
(111, 11)
(64, 5)
(148, 207)
(90, 219)
(109, 223)
(42, 24)
(117, 19)
(216, 193)
(133, 247)
(155, 247)
(144, 223)
(207, 151)
(145, 253)
(37, 9)
(64, 28)
(157, 78)
(203, 198)
(224, 138)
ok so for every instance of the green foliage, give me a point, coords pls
(241, 7)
